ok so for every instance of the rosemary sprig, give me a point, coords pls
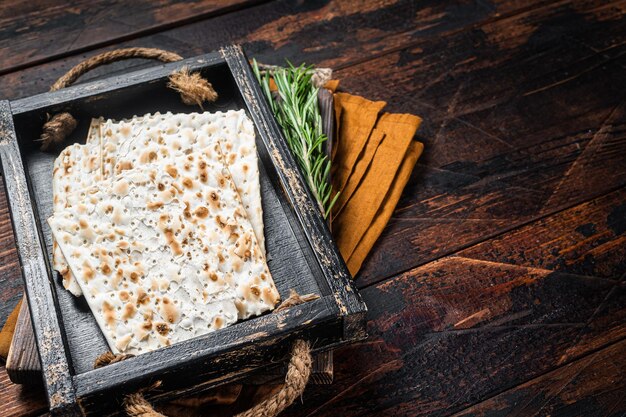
(297, 112)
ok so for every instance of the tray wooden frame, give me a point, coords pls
(336, 318)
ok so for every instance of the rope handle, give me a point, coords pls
(192, 87)
(296, 378)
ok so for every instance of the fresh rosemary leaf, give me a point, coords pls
(296, 110)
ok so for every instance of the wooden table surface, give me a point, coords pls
(498, 287)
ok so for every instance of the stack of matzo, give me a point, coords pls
(158, 222)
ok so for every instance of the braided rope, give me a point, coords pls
(110, 57)
(136, 405)
(296, 379)
(193, 88)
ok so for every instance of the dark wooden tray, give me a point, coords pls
(301, 252)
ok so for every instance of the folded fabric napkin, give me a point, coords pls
(358, 117)
(382, 216)
(372, 163)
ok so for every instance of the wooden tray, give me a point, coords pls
(301, 252)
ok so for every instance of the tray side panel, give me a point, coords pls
(90, 89)
(346, 296)
(46, 325)
(210, 360)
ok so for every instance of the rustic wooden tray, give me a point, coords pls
(301, 252)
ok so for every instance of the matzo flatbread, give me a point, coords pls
(202, 178)
(140, 291)
(206, 229)
(233, 129)
(235, 132)
(125, 142)
(77, 167)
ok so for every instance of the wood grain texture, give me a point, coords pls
(12, 288)
(22, 365)
(581, 388)
(458, 330)
(42, 30)
(20, 400)
(502, 261)
(57, 379)
(596, 247)
(294, 30)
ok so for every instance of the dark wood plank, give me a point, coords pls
(39, 31)
(458, 330)
(298, 31)
(22, 365)
(596, 247)
(20, 400)
(591, 386)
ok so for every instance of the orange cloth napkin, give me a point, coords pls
(371, 166)
(385, 211)
(359, 169)
(6, 334)
(358, 117)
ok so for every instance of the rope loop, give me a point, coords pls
(296, 379)
(193, 89)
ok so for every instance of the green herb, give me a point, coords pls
(297, 112)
